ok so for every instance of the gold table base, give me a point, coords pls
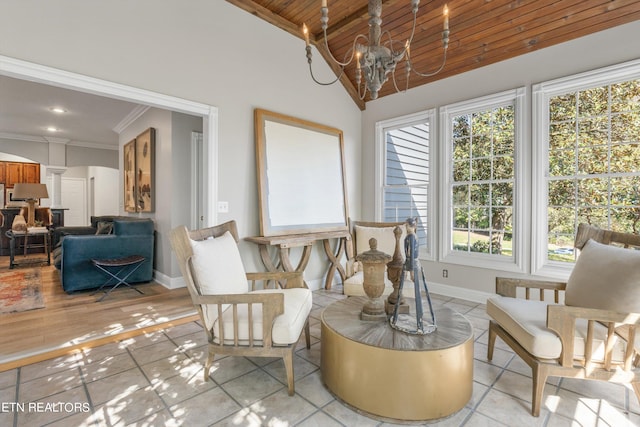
(391, 374)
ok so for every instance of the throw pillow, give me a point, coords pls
(605, 277)
(384, 235)
(104, 227)
(217, 266)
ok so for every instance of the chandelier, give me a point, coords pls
(378, 55)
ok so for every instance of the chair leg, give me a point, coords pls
(307, 334)
(491, 342)
(288, 367)
(207, 366)
(540, 375)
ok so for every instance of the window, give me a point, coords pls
(480, 210)
(589, 126)
(405, 174)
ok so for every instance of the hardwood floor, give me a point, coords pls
(71, 322)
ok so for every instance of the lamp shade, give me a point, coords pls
(28, 191)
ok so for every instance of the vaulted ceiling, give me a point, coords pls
(482, 32)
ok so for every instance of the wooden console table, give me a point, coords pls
(284, 244)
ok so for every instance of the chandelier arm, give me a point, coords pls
(444, 61)
(353, 49)
(325, 83)
(395, 83)
(413, 33)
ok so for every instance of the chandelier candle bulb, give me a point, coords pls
(305, 31)
(445, 12)
(324, 3)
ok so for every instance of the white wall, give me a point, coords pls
(106, 194)
(28, 150)
(601, 49)
(202, 50)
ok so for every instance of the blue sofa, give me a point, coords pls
(75, 252)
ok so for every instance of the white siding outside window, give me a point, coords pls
(404, 178)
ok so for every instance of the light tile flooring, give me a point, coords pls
(156, 380)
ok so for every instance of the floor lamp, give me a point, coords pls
(31, 193)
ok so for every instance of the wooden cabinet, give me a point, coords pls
(31, 172)
(13, 174)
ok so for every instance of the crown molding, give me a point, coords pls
(94, 145)
(22, 137)
(54, 140)
(134, 115)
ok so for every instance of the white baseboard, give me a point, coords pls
(168, 282)
(458, 292)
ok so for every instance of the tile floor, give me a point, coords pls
(156, 380)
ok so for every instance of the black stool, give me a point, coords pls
(128, 265)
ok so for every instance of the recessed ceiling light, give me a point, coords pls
(58, 110)
(52, 129)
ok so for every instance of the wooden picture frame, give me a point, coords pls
(139, 173)
(145, 149)
(129, 182)
(301, 176)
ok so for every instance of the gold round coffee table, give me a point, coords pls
(390, 374)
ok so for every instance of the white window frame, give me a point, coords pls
(380, 158)
(542, 93)
(516, 263)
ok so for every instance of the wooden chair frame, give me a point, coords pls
(562, 319)
(272, 304)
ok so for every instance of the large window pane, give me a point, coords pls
(482, 211)
(594, 163)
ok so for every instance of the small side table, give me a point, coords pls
(13, 235)
(118, 270)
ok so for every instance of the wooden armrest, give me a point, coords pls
(562, 320)
(285, 279)
(507, 287)
(272, 306)
(275, 299)
(556, 314)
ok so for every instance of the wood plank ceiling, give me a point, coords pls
(482, 31)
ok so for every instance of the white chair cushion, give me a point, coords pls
(526, 322)
(218, 267)
(353, 286)
(286, 328)
(217, 270)
(384, 235)
(605, 277)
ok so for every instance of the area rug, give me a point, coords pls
(20, 290)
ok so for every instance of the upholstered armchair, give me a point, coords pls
(589, 329)
(241, 320)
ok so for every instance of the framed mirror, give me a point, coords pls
(301, 176)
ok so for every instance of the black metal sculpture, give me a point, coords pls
(413, 266)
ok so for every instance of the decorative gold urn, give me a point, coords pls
(373, 265)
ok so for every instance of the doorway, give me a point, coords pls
(50, 76)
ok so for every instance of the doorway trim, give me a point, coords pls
(24, 70)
